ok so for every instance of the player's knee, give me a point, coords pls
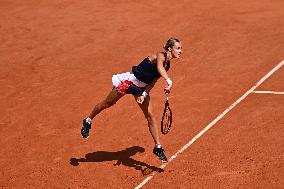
(107, 104)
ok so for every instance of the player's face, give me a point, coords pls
(176, 50)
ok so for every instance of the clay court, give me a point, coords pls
(57, 58)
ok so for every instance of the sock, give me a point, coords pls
(89, 120)
(158, 146)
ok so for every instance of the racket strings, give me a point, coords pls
(167, 120)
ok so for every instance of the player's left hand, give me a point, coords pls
(140, 99)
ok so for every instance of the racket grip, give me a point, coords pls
(167, 97)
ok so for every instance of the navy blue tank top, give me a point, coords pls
(147, 71)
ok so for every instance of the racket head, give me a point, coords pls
(166, 122)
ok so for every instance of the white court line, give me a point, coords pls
(213, 122)
(268, 92)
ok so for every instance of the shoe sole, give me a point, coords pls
(163, 161)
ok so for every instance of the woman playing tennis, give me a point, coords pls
(139, 83)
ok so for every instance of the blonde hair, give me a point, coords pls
(170, 43)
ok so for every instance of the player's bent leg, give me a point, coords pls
(109, 101)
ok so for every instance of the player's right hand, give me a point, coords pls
(168, 88)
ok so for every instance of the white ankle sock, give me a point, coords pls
(158, 146)
(89, 120)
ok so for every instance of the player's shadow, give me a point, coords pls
(122, 157)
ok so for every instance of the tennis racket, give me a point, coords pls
(166, 122)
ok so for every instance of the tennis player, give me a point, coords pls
(139, 83)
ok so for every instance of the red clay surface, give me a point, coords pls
(56, 62)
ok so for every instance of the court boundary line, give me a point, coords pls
(268, 92)
(210, 125)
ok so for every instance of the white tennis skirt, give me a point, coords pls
(127, 76)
